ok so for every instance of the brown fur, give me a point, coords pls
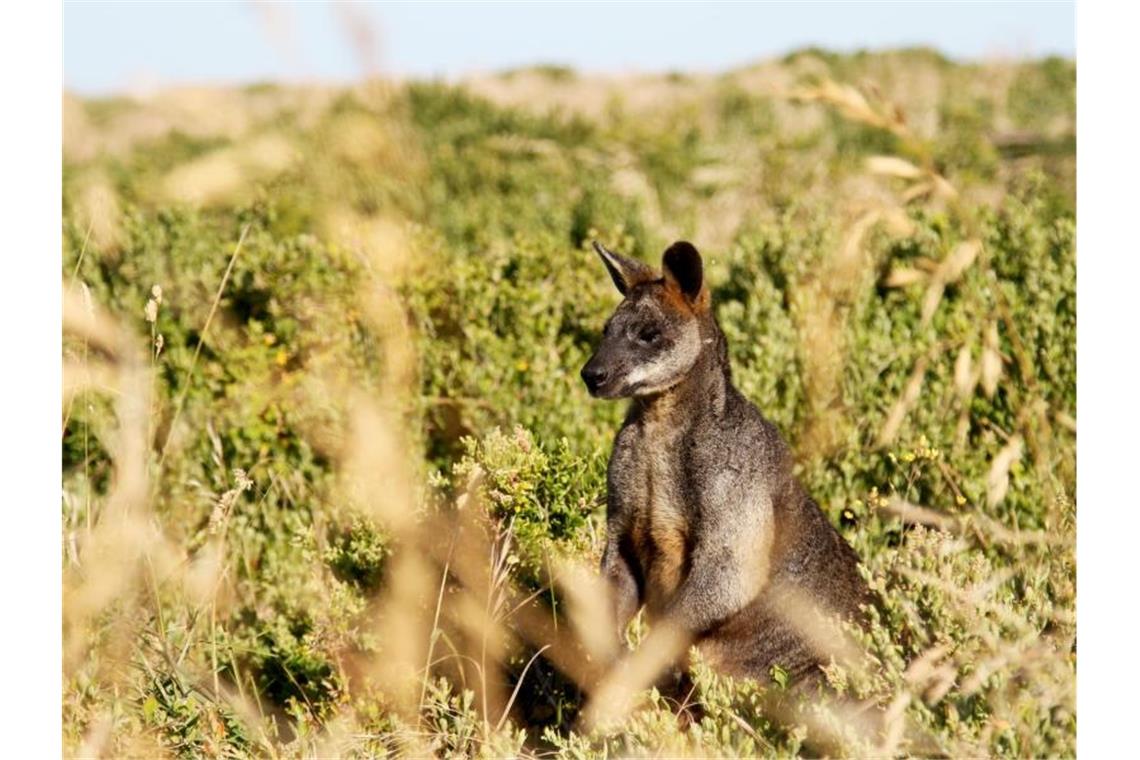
(671, 298)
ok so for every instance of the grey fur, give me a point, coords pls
(707, 527)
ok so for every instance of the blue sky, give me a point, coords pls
(115, 47)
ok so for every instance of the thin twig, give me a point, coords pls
(435, 622)
(198, 350)
(71, 287)
(82, 253)
(518, 685)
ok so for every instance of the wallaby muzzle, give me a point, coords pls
(599, 376)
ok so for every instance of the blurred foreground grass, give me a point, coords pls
(325, 452)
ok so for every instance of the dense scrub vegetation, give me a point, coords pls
(358, 317)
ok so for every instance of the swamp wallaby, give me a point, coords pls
(707, 526)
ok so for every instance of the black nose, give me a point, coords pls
(594, 377)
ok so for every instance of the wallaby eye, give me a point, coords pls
(648, 335)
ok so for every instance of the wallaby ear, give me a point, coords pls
(684, 271)
(626, 272)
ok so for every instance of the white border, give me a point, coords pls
(31, 57)
(1108, 243)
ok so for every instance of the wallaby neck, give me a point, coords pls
(703, 390)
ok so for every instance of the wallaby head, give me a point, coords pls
(655, 336)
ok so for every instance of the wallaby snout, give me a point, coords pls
(595, 377)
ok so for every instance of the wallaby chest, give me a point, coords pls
(651, 476)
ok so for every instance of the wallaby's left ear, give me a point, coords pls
(684, 271)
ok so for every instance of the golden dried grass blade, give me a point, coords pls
(915, 514)
(964, 378)
(991, 360)
(932, 298)
(893, 166)
(904, 404)
(820, 631)
(960, 259)
(614, 697)
(997, 481)
(589, 606)
(916, 191)
(901, 277)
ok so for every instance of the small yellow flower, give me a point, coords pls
(961, 500)
(282, 357)
(522, 366)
